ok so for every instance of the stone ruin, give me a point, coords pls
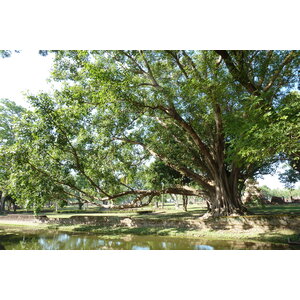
(277, 200)
(253, 193)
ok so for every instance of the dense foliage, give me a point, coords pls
(9, 115)
(215, 118)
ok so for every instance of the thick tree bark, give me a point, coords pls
(225, 200)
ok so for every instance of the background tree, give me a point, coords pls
(160, 176)
(10, 112)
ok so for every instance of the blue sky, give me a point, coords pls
(28, 72)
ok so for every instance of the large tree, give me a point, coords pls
(190, 109)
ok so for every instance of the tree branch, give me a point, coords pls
(79, 166)
(237, 73)
(192, 64)
(181, 169)
(286, 61)
(174, 55)
(149, 73)
(73, 187)
(190, 130)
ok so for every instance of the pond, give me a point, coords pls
(54, 240)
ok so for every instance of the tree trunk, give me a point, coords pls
(3, 199)
(2, 204)
(80, 204)
(14, 206)
(225, 200)
(177, 202)
(175, 199)
(184, 202)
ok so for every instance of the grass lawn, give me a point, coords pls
(277, 209)
(194, 211)
(168, 211)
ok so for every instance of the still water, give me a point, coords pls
(53, 240)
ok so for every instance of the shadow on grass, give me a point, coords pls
(185, 223)
(194, 214)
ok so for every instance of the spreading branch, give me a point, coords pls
(285, 62)
(237, 72)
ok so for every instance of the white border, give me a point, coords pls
(156, 24)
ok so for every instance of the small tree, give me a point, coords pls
(290, 177)
(161, 176)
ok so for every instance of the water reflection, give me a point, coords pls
(203, 247)
(101, 243)
(64, 241)
(140, 248)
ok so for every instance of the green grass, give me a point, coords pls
(277, 209)
(168, 212)
(168, 208)
(193, 212)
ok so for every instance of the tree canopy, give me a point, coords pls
(216, 118)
